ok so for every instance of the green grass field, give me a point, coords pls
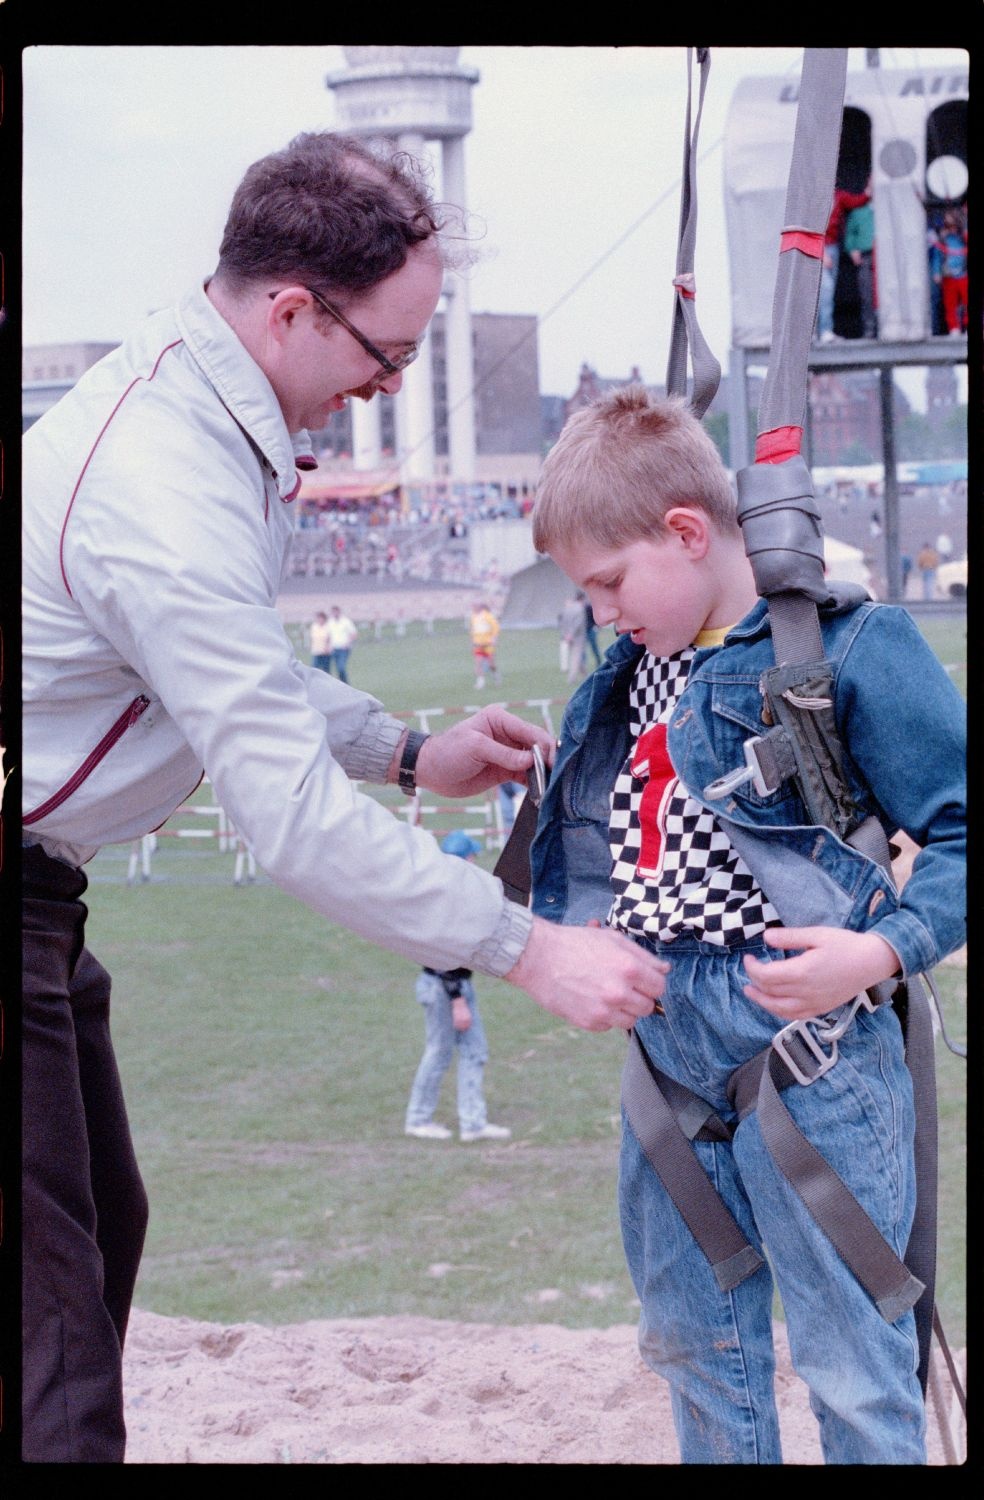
(267, 1054)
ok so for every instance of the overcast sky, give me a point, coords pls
(131, 155)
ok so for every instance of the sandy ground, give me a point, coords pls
(411, 1391)
(415, 1390)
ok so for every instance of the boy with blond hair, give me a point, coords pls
(765, 921)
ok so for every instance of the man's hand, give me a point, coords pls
(833, 967)
(596, 979)
(478, 753)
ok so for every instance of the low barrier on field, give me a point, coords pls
(486, 820)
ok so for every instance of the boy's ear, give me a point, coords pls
(691, 527)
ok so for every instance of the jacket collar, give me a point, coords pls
(841, 598)
(243, 389)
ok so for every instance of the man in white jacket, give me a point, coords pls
(157, 515)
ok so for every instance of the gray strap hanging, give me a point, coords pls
(686, 329)
(809, 194)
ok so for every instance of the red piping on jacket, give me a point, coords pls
(128, 717)
(78, 482)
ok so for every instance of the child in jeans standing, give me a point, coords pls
(453, 1025)
(765, 920)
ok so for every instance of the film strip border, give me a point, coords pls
(10, 1252)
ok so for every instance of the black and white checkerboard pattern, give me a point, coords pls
(699, 883)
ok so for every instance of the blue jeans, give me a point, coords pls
(441, 1043)
(715, 1348)
(322, 661)
(340, 657)
(828, 286)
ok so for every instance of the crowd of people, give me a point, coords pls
(851, 235)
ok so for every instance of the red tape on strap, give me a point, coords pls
(805, 240)
(777, 446)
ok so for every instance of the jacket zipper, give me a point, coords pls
(128, 717)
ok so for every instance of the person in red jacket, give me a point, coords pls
(843, 203)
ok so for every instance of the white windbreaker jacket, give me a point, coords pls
(157, 519)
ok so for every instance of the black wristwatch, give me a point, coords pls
(407, 777)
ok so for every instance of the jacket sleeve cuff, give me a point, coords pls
(913, 943)
(501, 951)
(369, 756)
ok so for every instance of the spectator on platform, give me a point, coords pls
(948, 263)
(859, 242)
(843, 203)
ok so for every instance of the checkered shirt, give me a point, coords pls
(673, 869)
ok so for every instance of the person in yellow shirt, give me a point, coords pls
(484, 633)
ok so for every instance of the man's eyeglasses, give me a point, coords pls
(391, 366)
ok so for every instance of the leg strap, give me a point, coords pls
(834, 1208)
(665, 1117)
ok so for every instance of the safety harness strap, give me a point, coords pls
(858, 1242)
(664, 1136)
(685, 330)
(513, 864)
(913, 1006)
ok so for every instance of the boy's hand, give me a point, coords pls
(596, 979)
(833, 967)
(478, 753)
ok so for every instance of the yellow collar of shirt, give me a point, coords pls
(713, 637)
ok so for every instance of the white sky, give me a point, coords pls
(131, 155)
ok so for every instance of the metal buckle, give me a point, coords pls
(750, 771)
(536, 777)
(825, 1062)
(824, 1035)
(834, 1032)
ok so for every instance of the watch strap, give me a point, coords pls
(407, 775)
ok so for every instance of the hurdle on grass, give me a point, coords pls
(483, 819)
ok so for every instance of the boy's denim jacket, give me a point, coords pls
(902, 723)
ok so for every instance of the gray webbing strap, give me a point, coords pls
(809, 194)
(920, 1253)
(513, 864)
(685, 328)
(858, 1242)
(666, 1145)
(795, 624)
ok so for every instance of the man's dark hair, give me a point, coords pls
(326, 210)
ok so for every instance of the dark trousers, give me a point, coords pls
(84, 1206)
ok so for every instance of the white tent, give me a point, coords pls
(844, 563)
